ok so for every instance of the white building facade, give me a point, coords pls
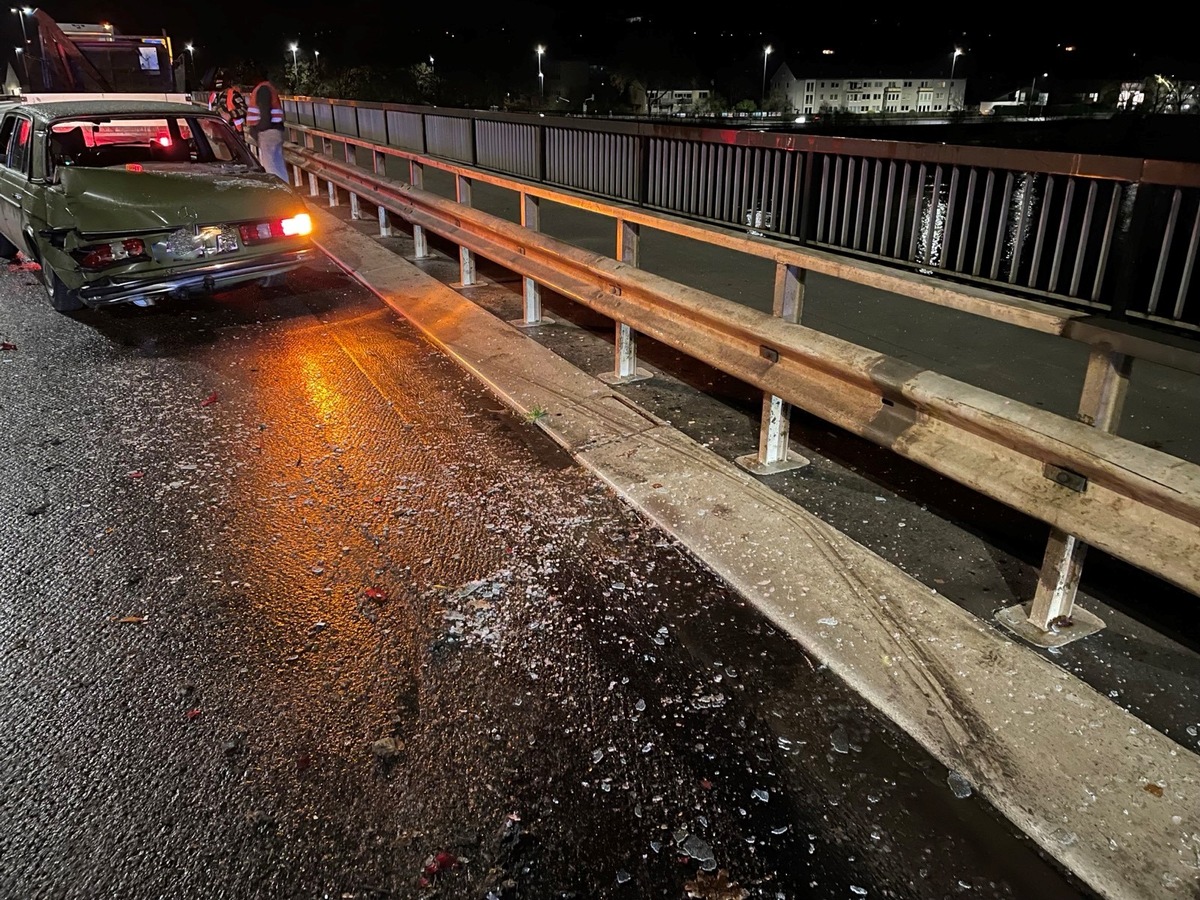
(811, 96)
(679, 103)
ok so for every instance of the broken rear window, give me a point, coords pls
(91, 142)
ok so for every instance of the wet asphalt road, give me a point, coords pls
(293, 609)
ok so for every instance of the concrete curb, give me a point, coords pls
(1110, 798)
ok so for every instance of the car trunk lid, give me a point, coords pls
(125, 200)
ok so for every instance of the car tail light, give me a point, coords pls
(97, 256)
(293, 226)
(297, 225)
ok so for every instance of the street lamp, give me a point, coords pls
(317, 60)
(950, 91)
(766, 53)
(294, 47)
(541, 80)
(1033, 90)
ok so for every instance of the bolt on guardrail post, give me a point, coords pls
(416, 177)
(531, 218)
(379, 165)
(774, 454)
(1053, 619)
(466, 256)
(625, 367)
(351, 154)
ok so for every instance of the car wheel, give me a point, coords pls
(8, 250)
(62, 299)
(273, 281)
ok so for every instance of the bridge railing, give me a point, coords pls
(1113, 235)
(1089, 485)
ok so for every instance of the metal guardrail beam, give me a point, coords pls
(1110, 492)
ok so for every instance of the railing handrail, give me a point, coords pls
(1129, 169)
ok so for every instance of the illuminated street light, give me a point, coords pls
(541, 80)
(766, 53)
(954, 59)
(950, 90)
(294, 47)
(316, 59)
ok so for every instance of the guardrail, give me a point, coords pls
(1113, 235)
(1089, 485)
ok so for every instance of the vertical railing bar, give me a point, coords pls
(1188, 265)
(887, 208)
(1114, 208)
(821, 199)
(966, 218)
(837, 193)
(851, 164)
(862, 198)
(904, 182)
(1164, 252)
(873, 215)
(1080, 252)
(1002, 225)
(989, 187)
(918, 198)
(1061, 239)
(948, 224)
(1043, 221)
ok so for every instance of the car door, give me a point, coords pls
(16, 139)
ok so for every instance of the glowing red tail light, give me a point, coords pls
(97, 256)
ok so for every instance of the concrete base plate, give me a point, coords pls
(750, 463)
(521, 323)
(640, 374)
(1016, 620)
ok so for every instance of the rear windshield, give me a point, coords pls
(97, 142)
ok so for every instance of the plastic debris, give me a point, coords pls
(136, 474)
(5, 345)
(760, 794)
(128, 620)
(699, 850)
(193, 713)
(210, 399)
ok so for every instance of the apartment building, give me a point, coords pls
(874, 94)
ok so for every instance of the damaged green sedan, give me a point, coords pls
(134, 201)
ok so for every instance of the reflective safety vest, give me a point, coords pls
(233, 106)
(254, 115)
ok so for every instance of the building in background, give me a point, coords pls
(869, 94)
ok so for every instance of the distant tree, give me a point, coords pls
(648, 66)
(1169, 95)
(746, 106)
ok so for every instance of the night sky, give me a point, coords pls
(1004, 40)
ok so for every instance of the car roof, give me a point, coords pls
(57, 109)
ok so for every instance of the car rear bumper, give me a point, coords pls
(205, 278)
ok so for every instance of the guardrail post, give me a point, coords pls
(531, 218)
(313, 189)
(327, 150)
(1053, 618)
(416, 177)
(625, 367)
(774, 454)
(466, 256)
(379, 165)
(351, 153)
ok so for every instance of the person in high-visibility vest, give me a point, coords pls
(264, 123)
(231, 104)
